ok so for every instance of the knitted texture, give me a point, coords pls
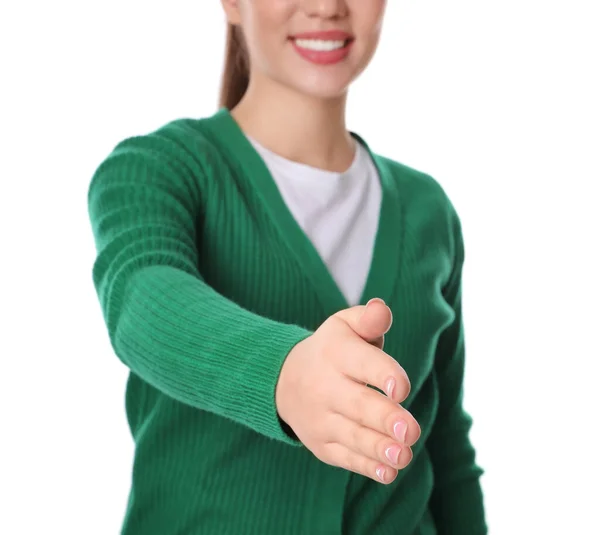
(206, 283)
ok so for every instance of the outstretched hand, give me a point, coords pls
(323, 394)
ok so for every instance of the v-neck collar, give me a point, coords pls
(385, 262)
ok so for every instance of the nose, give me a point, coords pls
(326, 9)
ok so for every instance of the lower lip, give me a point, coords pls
(323, 57)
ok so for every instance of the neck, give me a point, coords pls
(301, 128)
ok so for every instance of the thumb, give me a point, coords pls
(370, 321)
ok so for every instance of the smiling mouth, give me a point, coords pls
(326, 47)
(323, 51)
(321, 45)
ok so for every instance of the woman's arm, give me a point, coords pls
(164, 322)
(457, 502)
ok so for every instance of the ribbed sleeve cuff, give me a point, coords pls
(188, 341)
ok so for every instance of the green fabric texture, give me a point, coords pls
(206, 283)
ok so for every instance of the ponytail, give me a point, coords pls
(236, 73)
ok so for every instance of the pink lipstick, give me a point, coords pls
(323, 48)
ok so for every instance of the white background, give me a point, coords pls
(497, 100)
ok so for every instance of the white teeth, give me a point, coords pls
(319, 45)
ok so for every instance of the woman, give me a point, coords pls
(236, 254)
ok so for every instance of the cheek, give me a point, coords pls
(264, 28)
(266, 51)
(369, 38)
(368, 20)
(368, 16)
(270, 16)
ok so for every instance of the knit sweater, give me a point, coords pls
(206, 283)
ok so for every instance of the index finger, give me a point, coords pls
(370, 365)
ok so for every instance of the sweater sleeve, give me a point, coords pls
(457, 503)
(164, 322)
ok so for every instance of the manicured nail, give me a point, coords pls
(393, 454)
(381, 473)
(400, 430)
(371, 301)
(389, 387)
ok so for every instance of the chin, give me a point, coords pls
(324, 93)
(320, 87)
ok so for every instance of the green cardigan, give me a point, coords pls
(206, 282)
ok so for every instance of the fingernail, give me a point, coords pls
(400, 430)
(389, 387)
(393, 454)
(375, 299)
(381, 473)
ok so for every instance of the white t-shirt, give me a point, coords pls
(339, 213)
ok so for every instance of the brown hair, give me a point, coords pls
(236, 72)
